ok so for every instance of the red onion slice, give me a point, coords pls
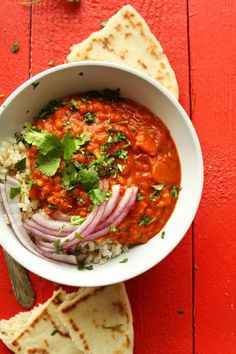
(58, 216)
(42, 219)
(31, 223)
(40, 234)
(14, 215)
(118, 216)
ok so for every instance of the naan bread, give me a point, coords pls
(42, 331)
(99, 320)
(127, 39)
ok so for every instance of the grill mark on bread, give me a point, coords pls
(83, 299)
(37, 351)
(142, 64)
(74, 326)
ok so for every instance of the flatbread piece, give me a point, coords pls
(126, 39)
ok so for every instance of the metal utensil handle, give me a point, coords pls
(21, 285)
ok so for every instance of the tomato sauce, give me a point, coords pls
(152, 161)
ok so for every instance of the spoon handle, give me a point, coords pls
(23, 291)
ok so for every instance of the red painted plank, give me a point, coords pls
(213, 48)
(14, 69)
(157, 295)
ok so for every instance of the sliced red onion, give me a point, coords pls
(61, 258)
(87, 230)
(40, 234)
(118, 216)
(110, 205)
(42, 219)
(45, 249)
(31, 223)
(57, 215)
(14, 215)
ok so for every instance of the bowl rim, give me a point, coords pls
(32, 266)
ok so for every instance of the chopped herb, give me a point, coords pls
(156, 193)
(89, 117)
(51, 206)
(88, 177)
(119, 137)
(73, 105)
(15, 47)
(69, 146)
(14, 192)
(20, 165)
(81, 140)
(113, 228)
(120, 167)
(69, 176)
(174, 192)
(57, 245)
(125, 260)
(49, 164)
(98, 196)
(84, 100)
(103, 24)
(144, 220)
(51, 62)
(113, 326)
(180, 312)
(139, 196)
(163, 235)
(50, 107)
(78, 236)
(19, 137)
(82, 266)
(54, 332)
(80, 200)
(76, 220)
(35, 84)
(120, 154)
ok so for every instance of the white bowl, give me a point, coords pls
(65, 80)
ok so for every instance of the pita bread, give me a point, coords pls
(39, 331)
(127, 39)
(99, 320)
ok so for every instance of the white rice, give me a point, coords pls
(88, 252)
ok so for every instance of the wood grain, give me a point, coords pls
(213, 79)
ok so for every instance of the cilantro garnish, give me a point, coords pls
(20, 165)
(14, 192)
(120, 154)
(158, 188)
(50, 107)
(69, 176)
(57, 245)
(89, 118)
(15, 47)
(163, 235)
(81, 140)
(144, 220)
(49, 164)
(51, 206)
(54, 332)
(98, 196)
(174, 191)
(113, 228)
(69, 146)
(73, 105)
(125, 260)
(139, 196)
(82, 266)
(76, 220)
(103, 24)
(88, 177)
(113, 326)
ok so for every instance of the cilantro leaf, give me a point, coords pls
(51, 143)
(89, 117)
(113, 228)
(98, 196)
(158, 188)
(48, 164)
(69, 146)
(76, 220)
(81, 140)
(34, 137)
(20, 165)
(69, 176)
(50, 107)
(174, 192)
(144, 220)
(15, 47)
(125, 260)
(14, 192)
(139, 196)
(73, 105)
(121, 154)
(89, 179)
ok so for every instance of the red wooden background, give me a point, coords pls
(186, 304)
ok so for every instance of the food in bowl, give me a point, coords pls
(94, 174)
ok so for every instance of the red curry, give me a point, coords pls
(150, 162)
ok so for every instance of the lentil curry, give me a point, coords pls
(114, 140)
